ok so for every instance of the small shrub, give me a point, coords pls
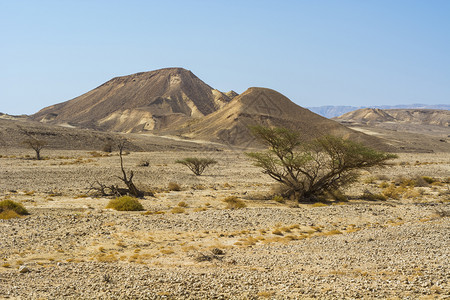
(8, 214)
(167, 251)
(428, 179)
(182, 204)
(234, 202)
(199, 209)
(144, 163)
(10, 209)
(125, 203)
(197, 165)
(394, 192)
(198, 187)
(421, 182)
(402, 181)
(266, 294)
(279, 199)
(384, 185)
(173, 186)
(417, 181)
(177, 210)
(373, 197)
(412, 193)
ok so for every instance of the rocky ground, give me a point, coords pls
(187, 244)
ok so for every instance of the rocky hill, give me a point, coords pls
(409, 116)
(142, 101)
(331, 111)
(174, 101)
(262, 106)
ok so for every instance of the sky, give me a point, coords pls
(322, 52)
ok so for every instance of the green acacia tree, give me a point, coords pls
(310, 169)
(196, 165)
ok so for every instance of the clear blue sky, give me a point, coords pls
(318, 52)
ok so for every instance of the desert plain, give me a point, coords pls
(188, 243)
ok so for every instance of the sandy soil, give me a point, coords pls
(187, 244)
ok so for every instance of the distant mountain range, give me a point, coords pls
(331, 111)
(372, 116)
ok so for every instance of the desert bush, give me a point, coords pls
(416, 181)
(383, 184)
(173, 186)
(197, 165)
(234, 202)
(144, 163)
(182, 204)
(198, 187)
(373, 197)
(279, 199)
(394, 192)
(309, 169)
(36, 145)
(428, 179)
(10, 209)
(412, 193)
(125, 203)
(177, 210)
(421, 182)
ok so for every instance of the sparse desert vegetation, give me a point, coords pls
(177, 233)
(310, 169)
(125, 203)
(197, 165)
(10, 209)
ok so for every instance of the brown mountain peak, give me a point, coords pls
(137, 102)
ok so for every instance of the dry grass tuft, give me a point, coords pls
(10, 209)
(373, 197)
(234, 202)
(266, 294)
(279, 199)
(394, 192)
(125, 203)
(173, 186)
(182, 204)
(177, 210)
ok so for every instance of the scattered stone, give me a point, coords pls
(24, 269)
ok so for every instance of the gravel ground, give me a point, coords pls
(71, 247)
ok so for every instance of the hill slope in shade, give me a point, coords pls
(262, 106)
(138, 102)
